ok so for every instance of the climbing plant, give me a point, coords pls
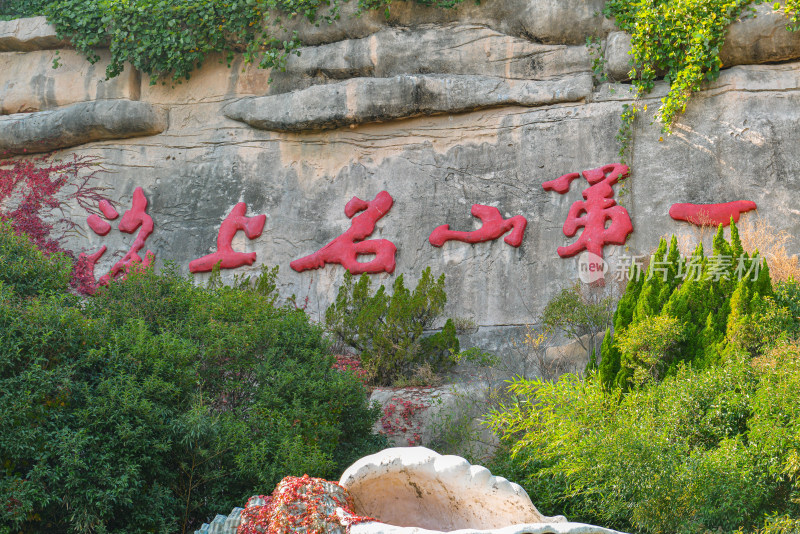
(680, 39)
(170, 38)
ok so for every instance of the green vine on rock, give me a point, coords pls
(171, 38)
(681, 40)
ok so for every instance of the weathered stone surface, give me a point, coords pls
(416, 487)
(541, 21)
(99, 120)
(756, 38)
(408, 490)
(431, 49)
(28, 81)
(414, 490)
(737, 141)
(364, 100)
(738, 138)
(527, 528)
(222, 524)
(617, 56)
(24, 35)
(761, 38)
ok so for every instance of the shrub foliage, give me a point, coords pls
(156, 403)
(703, 450)
(389, 330)
(690, 424)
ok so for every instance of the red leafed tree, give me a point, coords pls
(33, 195)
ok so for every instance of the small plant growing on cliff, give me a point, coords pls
(389, 330)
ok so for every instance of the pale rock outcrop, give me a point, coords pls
(29, 81)
(24, 35)
(541, 21)
(364, 100)
(417, 487)
(44, 131)
(450, 49)
(414, 490)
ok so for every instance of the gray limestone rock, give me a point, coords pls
(761, 37)
(617, 56)
(28, 81)
(77, 124)
(364, 100)
(222, 524)
(539, 21)
(450, 49)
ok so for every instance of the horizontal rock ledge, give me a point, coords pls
(100, 120)
(364, 100)
(25, 35)
(450, 49)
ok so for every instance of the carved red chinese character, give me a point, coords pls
(225, 255)
(132, 219)
(346, 248)
(711, 214)
(594, 214)
(493, 227)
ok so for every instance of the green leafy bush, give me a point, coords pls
(579, 312)
(389, 330)
(156, 403)
(28, 271)
(703, 450)
(14, 9)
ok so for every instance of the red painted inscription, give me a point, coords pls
(711, 214)
(493, 227)
(603, 221)
(225, 255)
(346, 248)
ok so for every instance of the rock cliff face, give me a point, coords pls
(441, 108)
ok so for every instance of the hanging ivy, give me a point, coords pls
(681, 40)
(171, 38)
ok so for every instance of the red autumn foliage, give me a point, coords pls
(33, 195)
(345, 362)
(299, 504)
(402, 421)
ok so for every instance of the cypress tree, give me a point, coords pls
(610, 360)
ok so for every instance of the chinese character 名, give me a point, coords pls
(133, 219)
(493, 227)
(603, 221)
(346, 248)
(225, 256)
